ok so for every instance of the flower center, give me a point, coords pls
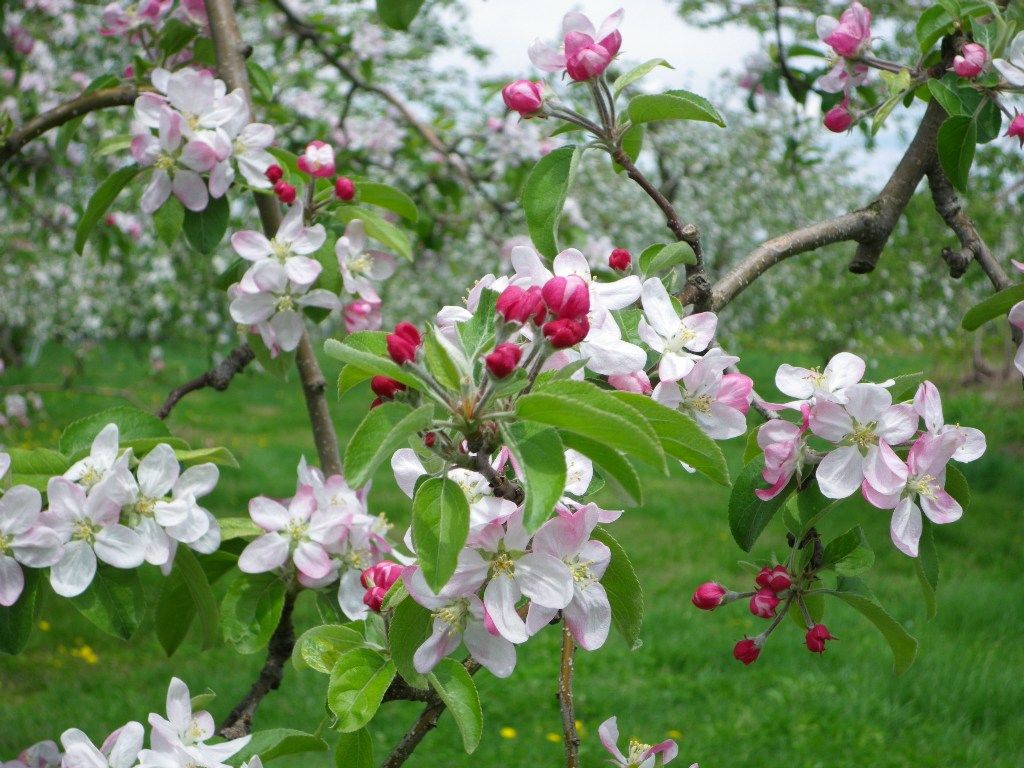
(192, 120)
(281, 250)
(83, 530)
(5, 544)
(677, 342)
(453, 614)
(164, 163)
(923, 485)
(193, 733)
(503, 564)
(90, 477)
(361, 264)
(701, 403)
(816, 377)
(297, 530)
(580, 570)
(285, 303)
(636, 749)
(863, 435)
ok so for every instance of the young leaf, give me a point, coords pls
(398, 14)
(176, 608)
(279, 742)
(251, 610)
(625, 594)
(354, 750)
(996, 305)
(933, 24)
(627, 79)
(384, 430)
(410, 625)
(370, 362)
(35, 467)
(541, 459)
(457, 690)
(217, 455)
(358, 683)
(618, 472)
(320, 648)
(748, 515)
(205, 229)
(114, 601)
(957, 486)
(386, 196)
(671, 255)
(168, 221)
(854, 593)
(956, 142)
(132, 424)
(101, 201)
(927, 566)
(16, 621)
(849, 554)
(673, 105)
(632, 143)
(544, 195)
(440, 524)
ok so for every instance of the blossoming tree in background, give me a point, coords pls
(500, 419)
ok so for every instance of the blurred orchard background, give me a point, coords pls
(131, 318)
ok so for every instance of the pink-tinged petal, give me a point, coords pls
(877, 498)
(777, 431)
(841, 472)
(649, 336)
(736, 391)
(12, 580)
(884, 470)
(254, 308)
(312, 560)
(546, 58)
(190, 189)
(322, 298)
(157, 192)
(288, 329)
(303, 503)
(81, 754)
(610, 25)
(19, 509)
(941, 509)
(574, 21)
(668, 394)
(443, 640)
(412, 578)
(793, 381)
(302, 270)
(407, 468)
(766, 494)
(897, 424)
(1016, 315)
(145, 149)
(973, 445)
(197, 481)
(268, 514)
(66, 499)
(38, 547)
(500, 598)
(928, 405)
(658, 308)
(589, 617)
(830, 421)
(930, 453)
(120, 547)
(544, 579)
(496, 654)
(905, 527)
(843, 370)
(612, 356)
(383, 265)
(251, 246)
(703, 324)
(266, 553)
(608, 732)
(618, 294)
(866, 402)
(1018, 359)
(199, 156)
(309, 239)
(158, 472)
(721, 422)
(571, 262)
(538, 617)
(74, 572)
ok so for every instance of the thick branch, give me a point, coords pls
(565, 700)
(218, 377)
(65, 113)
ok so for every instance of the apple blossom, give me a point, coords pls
(842, 371)
(523, 96)
(971, 60)
(709, 596)
(344, 189)
(675, 338)
(377, 580)
(1016, 315)
(1012, 67)
(928, 405)
(816, 637)
(87, 524)
(530, 270)
(43, 754)
(119, 750)
(776, 579)
(850, 35)
(839, 119)
(639, 755)
(359, 267)
(503, 360)
(867, 420)
(717, 402)
(198, 98)
(176, 169)
(567, 298)
(361, 315)
(637, 382)
(783, 445)
(184, 733)
(620, 259)
(516, 305)
(844, 77)
(23, 541)
(404, 342)
(747, 650)
(121, 18)
(587, 51)
(317, 160)
(763, 603)
(1016, 129)
(290, 246)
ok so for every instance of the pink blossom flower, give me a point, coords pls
(783, 443)
(23, 541)
(119, 750)
(317, 160)
(717, 402)
(1016, 129)
(763, 603)
(99, 464)
(928, 405)
(677, 339)
(120, 18)
(639, 755)
(290, 246)
(971, 60)
(530, 270)
(844, 77)
(850, 35)
(361, 268)
(43, 754)
(866, 421)
(912, 487)
(587, 51)
(184, 733)
(362, 315)
(523, 96)
(843, 370)
(637, 382)
(709, 596)
(176, 169)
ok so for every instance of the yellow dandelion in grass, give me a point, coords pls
(553, 737)
(508, 733)
(580, 729)
(86, 654)
(674, 734)
(44, 625)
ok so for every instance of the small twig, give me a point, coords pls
(218, 378)
(565, 700)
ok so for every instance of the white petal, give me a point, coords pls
(905, 527)
(74, 572)
(266, 553)
(841, 472)
(158, 471)
(120, 546)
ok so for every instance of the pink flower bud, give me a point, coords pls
(586, 59)
(747, 651)
(384, 574)
(563, 333)
(430, 439)
(971, 61)
(403, 343)
(709, 596)
(523, 96)
(317, 160)
(377, 402)
(1017, 128)
(362, 315)
(776, 579)
(344, 188)
(518, 306)
(850, 36)
(285, 192)
(374, 598)
(816, 637)
(620, 259)
(839, 118)
(763, 603)
(274, 173)
(638, 382)
(503, 360)
(385, 387)
(567, 297)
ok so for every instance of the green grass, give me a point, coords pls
(960, 704)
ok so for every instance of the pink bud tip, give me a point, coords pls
(430, 439)
(403, 343)
(763, 603)
(1016, 128)
(503, 360)
(747, 651)
(344, 188)
(567, 297)
(776, 579)
(564, 333)
(523, 96)
(971, 61)
(838, 119)
(816, 637)
(274, 173)
(709, 596)
(516, 305)
(385, 387)
(285, 192)
(620, 259)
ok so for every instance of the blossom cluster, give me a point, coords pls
(121, 19)
(103, 509)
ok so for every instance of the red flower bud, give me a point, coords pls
(971, 61)
(565, 333)
(763, 603)
(523, 96)
(518, 306)
(747, 651)
(430, 439)
(620, 259)
(816, 637)
(385, 387)
(374, 598)
(274, 173)
(384, 574)
(839, 118)
(377, 402)
(344, 188)
(285, 192)
(776, 579)
(1016, 128)
(403, 343)
(567, 297)
(709, 596)
(503, 360)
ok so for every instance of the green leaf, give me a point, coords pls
(996, 305)
(205, 229)
(544, 195)
(168, 220)
(748, 515)
(357, 687)
(673, 105)
(194, 578)
(101, 201)
(320, 648)
(114, 601)
(386, 196)
(905, 386)
(176, 607)
(398, 14)
(35, 467)
(379, 228)
(812, 505)
(383, 431)
(132, 424)
(926, 564)
(883, 112)
(17, 621)
(632, 143)
(638, 72)
(354, 750)
(477, 333)
(440, 525)
(445, 362)
(933, 24)
(618, 472)
(251, 610)
(581, 407)
(410, 626)
(541, 458)
(175, 35)
(369, 362)
(625, 594)
(854, 593)
(238, 528)
(849, 554)
(458, 691)
(279, 742)
(261, 80)
(217, 455)
(956, 142)
(667, 257)
(957, 486)
(681, 437)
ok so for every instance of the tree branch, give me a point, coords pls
(65, 113)
(565, 700)
(218, 378)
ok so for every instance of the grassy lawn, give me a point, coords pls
(961, 704)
